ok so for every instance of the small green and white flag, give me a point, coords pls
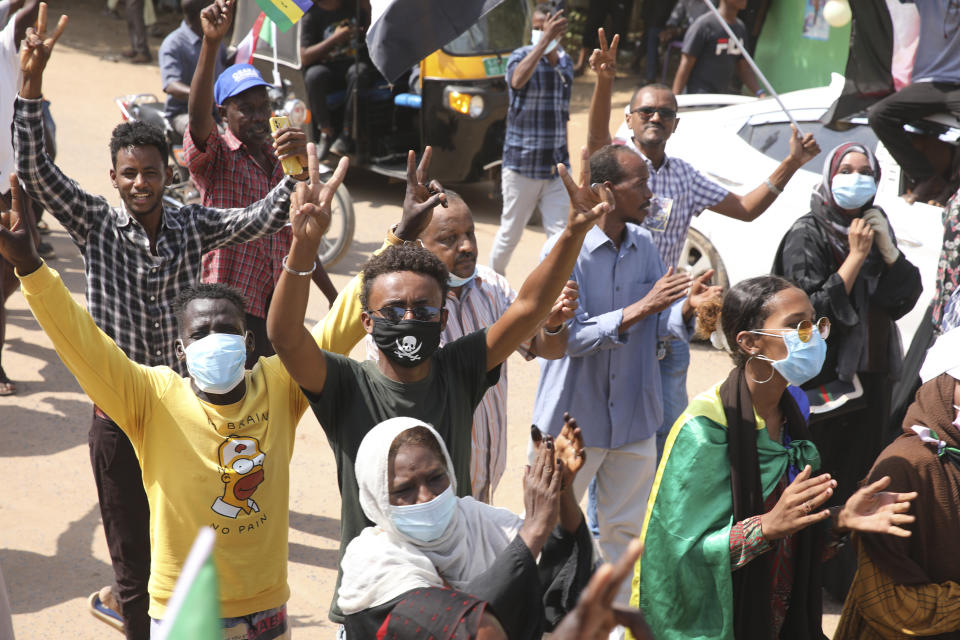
(193, 612)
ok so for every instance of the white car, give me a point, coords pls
(741, 144)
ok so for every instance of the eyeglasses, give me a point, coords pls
(647, 112)
(396, 313)
(804, 330)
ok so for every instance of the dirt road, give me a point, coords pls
(52, 548)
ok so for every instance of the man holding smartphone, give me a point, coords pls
(240, 166)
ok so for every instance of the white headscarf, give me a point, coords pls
(383, 563)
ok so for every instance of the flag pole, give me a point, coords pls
(753, 65)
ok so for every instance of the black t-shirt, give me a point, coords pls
(356, 397)
(716, 56)
(319, 24)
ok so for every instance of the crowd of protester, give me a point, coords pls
(750, 498)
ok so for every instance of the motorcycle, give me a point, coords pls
(146, 107)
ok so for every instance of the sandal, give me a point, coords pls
(7, 386)
(103, 612)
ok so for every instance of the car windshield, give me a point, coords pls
(773, 139)
(500, 31)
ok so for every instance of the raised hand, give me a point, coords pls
(554, 26)
(18, 233)
(37, 45)
(603, 61)
(860, 236)
(541, 496)
(420, 198)
(701, 290)
(587, 202)
(872, 510)
(570, 450)
(802, 150)
(797, 507)
(215, 20)
(310, 202)
(596, 615)
(565, 307)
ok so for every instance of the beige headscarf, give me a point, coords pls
(383, 563)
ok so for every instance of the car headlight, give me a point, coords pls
(465, 103)
(297, 111)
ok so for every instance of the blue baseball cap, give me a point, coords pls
(237, 79)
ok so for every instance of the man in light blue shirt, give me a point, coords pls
(610, 379)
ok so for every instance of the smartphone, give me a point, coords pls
(291, 166)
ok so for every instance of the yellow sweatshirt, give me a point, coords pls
(225, 467)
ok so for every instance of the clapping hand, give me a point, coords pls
(215, 20)
(587, 202)
(798, 506)
(565, 307)
(570, 451)
(872, 510)
(603, 61)
(37, 45)
(310, 201)
(701, 290)
(541, 495)
(18, 233)
(420, 198)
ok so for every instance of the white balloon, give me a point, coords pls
(837, 13)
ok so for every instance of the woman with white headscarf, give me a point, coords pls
(844, 255)
(529, 571)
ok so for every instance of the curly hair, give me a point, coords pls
(404, 257)
(137, 134)
(208, 291)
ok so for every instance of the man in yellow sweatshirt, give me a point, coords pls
(215, 447)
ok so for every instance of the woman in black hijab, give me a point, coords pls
(844, 255)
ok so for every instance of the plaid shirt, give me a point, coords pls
(227, 176)
(691, 192)
(130, 290)
(536, 137)
(482, 302)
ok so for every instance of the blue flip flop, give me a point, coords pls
(104, 613)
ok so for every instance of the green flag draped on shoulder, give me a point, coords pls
(684, 583)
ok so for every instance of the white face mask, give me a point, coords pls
(535, 36)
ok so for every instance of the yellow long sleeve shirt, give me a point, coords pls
(222, 466)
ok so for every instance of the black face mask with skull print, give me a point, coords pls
(407, 343)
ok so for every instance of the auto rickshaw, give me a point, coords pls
(456, 101)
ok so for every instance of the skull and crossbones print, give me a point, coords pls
(408, 347)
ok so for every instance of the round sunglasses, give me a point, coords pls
(804, 330)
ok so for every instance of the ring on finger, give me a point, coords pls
(806, 507)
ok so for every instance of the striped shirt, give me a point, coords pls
(482, 302)
(227, 176)
(130, 289)
(690, 191)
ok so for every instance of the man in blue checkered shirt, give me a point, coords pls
(681, 190)
(539, 79)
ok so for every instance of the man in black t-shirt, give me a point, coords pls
(710, 56)
(334, 58)
(404, 289)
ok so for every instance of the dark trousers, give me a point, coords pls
(619, 12)
(323, 79)
(126, 520)
(136, 26)
(914, 101)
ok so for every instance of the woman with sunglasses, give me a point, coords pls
(844, 255)
(736, 525)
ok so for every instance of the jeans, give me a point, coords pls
(126, 520)
(520, 196)
(914, 101)
(673, 383)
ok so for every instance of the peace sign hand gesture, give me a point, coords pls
(311, 201)
(587, 202)
(18, 233)
(35, 51)
(603, 61)
(420, 198)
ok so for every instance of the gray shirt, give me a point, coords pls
(716, 56)
(938, 49)
(178, 56)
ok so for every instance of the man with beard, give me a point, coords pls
(240, 166)
(137, 259)
(478, 296)
(680, 191)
